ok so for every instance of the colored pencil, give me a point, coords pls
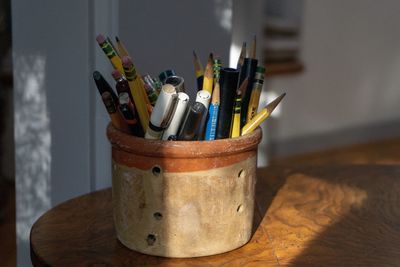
(213, 114)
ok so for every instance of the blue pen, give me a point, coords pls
(213, 115)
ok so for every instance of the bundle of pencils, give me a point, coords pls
(225, 106)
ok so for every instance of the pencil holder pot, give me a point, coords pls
(183, 198)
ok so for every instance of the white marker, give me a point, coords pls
(203, 97)
(162, 112)
(183, 100)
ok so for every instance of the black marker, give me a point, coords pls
(228, 85)
(192, 125)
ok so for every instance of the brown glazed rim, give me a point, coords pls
(182, 149)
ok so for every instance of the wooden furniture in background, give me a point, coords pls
(273, 69)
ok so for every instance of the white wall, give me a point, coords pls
(351, 52)
(61, 149)
(161, 35)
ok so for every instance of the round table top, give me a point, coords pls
(320, 215)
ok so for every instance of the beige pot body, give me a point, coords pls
(183, 199)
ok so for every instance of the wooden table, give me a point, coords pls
(306, 215)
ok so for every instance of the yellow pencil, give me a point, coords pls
(110, 52)
(123, 52)
(208, 75)
(113, 46)
(262, 115)
(235, 128)
(255, 93)
(137, 89)
(121, 48)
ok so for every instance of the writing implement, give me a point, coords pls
(176, 121)
(137, 90)
(262, 115)
(162, 112)
(192, 123)
(235, 128)
(208, 75)
(213, 110)
(128, 112)
(241, 57)
(103, 86)
(108, 49)
(115, 117)
(255, 93)
(122, 51)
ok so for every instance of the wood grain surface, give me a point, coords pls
(80, 233)
(311, 216)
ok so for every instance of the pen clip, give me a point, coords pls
(171, 111)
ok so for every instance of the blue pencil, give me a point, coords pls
(213, 115)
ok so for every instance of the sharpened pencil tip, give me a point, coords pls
(271, 106)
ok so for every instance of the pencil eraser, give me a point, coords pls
(100, 39)
(116, 74)
(126, 61)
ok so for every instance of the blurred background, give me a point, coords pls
(338, 62)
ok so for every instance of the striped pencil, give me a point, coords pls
(235, 127)
(137, 90)
(110, 52)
